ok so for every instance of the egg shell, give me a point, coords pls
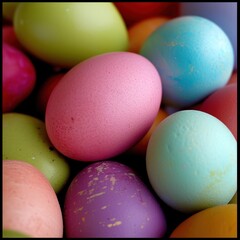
(222, 104)
(215, 222)
(193, 56)
(30, 205)
(103, 106)
(192, 161)
(107, 199)
(64, 34)
(141, 147)
(139, 32)
(25, 138)
(224, 14)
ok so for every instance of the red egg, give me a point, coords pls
(233, 78)
(133, 12)
(222, 104)
(18, 77)
(45, 91)
(9, 36)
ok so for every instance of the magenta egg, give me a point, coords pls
(103, 106)
(107, 199)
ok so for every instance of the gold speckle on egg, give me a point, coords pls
(92, 182)
(83, 219)
(78, 210)
(113, 181)
(82, 192)
(96, 195)
(103, 207)
(117, 223)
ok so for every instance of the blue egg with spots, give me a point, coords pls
(224, 14)
(191, 161)
(194, 58)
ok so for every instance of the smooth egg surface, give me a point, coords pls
(215, 222)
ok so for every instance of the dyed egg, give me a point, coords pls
(222, 104)
(107, 199)
(30, 205)
(215, 222)
(233, 78)
(7, 233)
(133, 12)
(193, 56)
(139, 32)
(224, 14)
(25, 138)
(192, 161)
(66, 33)
(141, 147)
(103, 106)
(45, 91)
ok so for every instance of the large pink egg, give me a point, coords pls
(222, 104)
(30, 204)
(103, 106)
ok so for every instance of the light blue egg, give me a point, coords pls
(191, 161)
(194, 58)
(224, 14)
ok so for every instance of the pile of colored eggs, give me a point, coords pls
(119, 119)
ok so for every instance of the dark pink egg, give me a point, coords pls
(18, 77)
(222, 104)
(107, 199)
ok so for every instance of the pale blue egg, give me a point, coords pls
(191, 161)
(224, 14)
(193, 56)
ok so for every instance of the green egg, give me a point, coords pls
(7, 233)
(25, 138)
(67, 33)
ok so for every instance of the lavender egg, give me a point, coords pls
(108, 199)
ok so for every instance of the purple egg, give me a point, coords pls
(108, 199)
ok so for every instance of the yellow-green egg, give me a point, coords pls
(25, 138)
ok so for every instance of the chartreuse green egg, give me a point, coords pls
(24, 138)
(191, 161)
(7, 233)
(66, 33)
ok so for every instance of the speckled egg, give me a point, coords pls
(30, 205)
(194, 57)
(192, 161)
(222, 13)
(107, 199)
(103, 106)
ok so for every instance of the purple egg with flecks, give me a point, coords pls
(108, 199)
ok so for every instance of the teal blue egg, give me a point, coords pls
(194, 57)
(191, 161)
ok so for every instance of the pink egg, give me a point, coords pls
(222, 104)
(30, 204)
(103, 106)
